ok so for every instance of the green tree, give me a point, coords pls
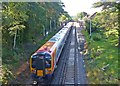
(81, 15)
(109, 18)
(14, 16)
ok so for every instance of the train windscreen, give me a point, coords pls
(41, 61)
(38, 62)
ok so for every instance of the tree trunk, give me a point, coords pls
(14, 45)
(44, 31)
(119, 40)
(54, 24)
(50, 25)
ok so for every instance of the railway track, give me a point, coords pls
(70, 75)
(71, 68)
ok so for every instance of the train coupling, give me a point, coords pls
(35, 82)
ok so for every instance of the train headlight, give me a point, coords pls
(34, 71)
(46, 70)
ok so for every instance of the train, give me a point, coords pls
(44, 61)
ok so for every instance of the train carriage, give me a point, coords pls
(43, 61)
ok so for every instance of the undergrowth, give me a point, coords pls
(101, 59)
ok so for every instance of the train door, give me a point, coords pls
(53, 59)
(39, 65)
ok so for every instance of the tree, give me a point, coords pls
(81, 15)
(109, 18)
(14, 16)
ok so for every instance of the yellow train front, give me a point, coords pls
(41, 65)
(43, 61)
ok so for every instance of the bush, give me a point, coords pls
(97, 37)
(7, 75)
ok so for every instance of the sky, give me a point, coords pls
(76, 6)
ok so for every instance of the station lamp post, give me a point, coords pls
(90, 17)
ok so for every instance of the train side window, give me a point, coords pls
(33, 61)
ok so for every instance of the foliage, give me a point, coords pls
(106, 20)
(7, 75)
(24, 27)
(97, 37)
(80, 16)
(102, 55)
(63, 18)
(101, 60)
(14, 16)
(109, 18)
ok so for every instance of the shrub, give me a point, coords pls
(97, 37)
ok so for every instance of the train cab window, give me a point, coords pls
(41, 61)
(47, 61)
(38, 62)
(33, 61)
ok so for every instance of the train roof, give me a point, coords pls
(58, 35)
(46, 47)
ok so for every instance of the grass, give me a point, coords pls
(102, 65)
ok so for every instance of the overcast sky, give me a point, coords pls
(76, 6)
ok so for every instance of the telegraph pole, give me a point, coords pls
(90, 18)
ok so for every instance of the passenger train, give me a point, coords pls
(44, 61)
